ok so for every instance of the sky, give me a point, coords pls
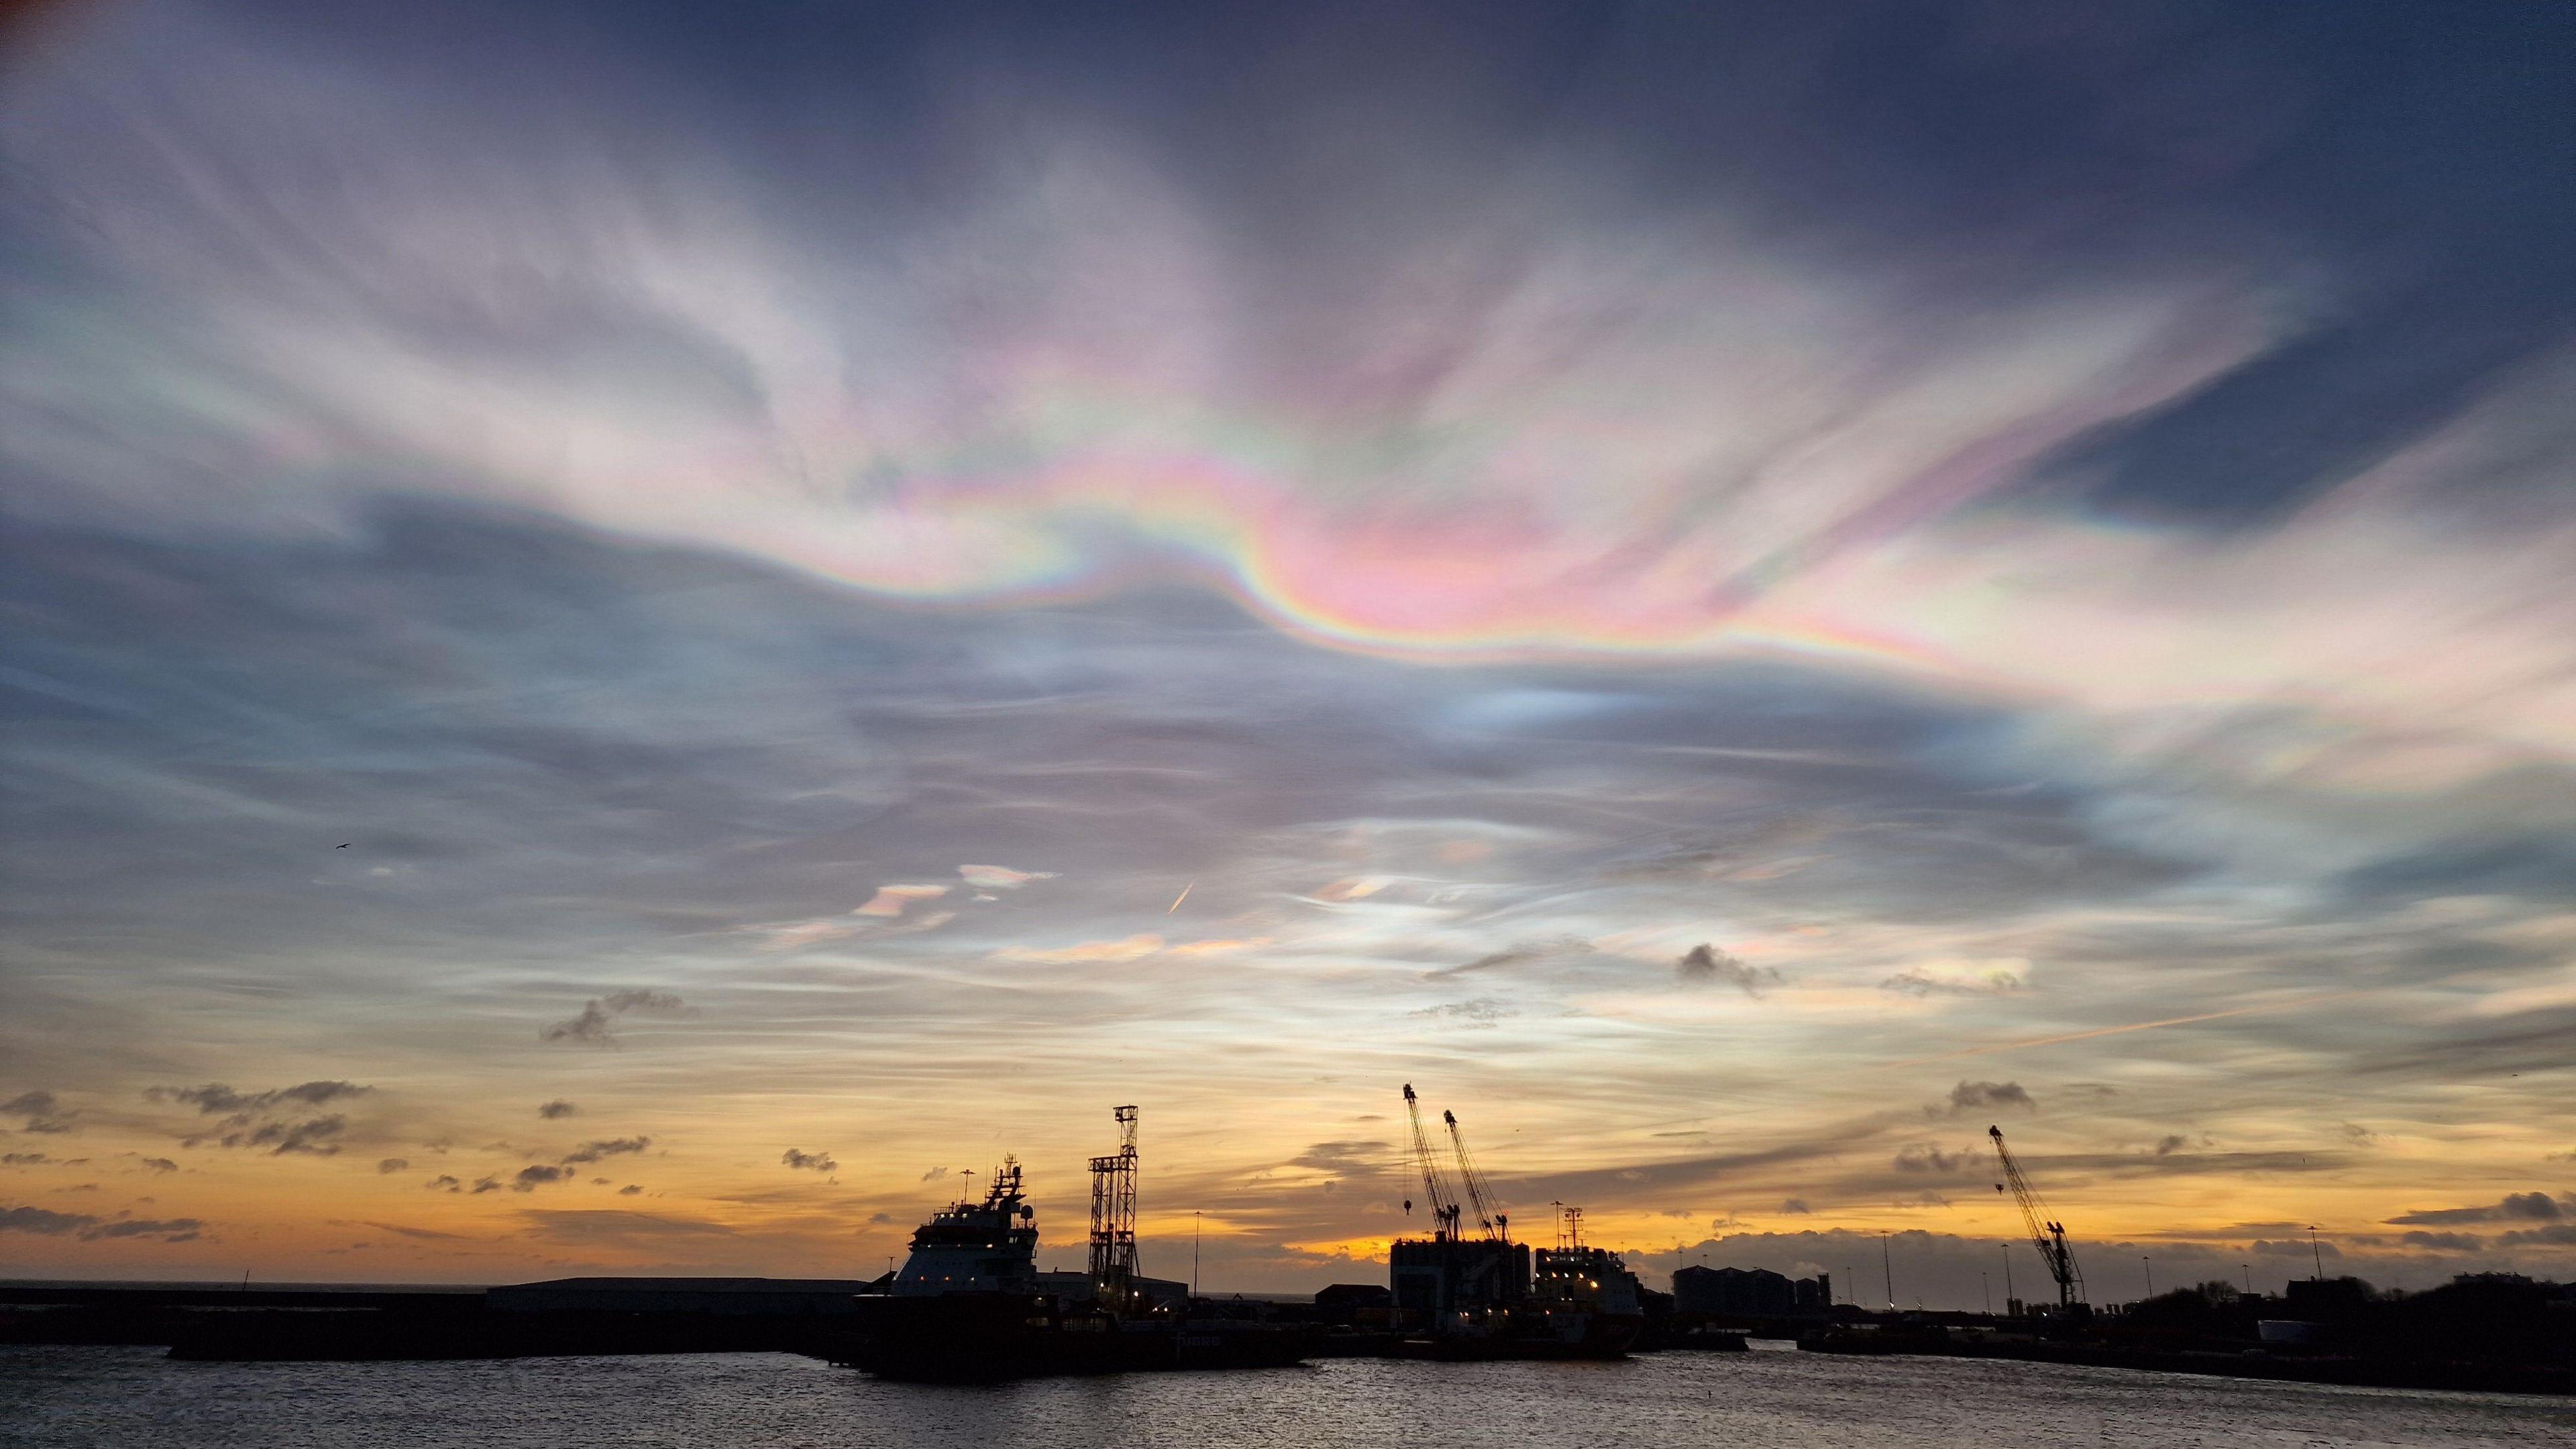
(636, 636)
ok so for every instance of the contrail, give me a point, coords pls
(2006, 1046)
(1184, 895)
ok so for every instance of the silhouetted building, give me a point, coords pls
(1353, 1303)
(1749, 1293)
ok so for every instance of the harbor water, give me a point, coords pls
(111, 1398)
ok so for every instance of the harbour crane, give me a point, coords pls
(1480, 1195)
(1444, 1208)
(2046, 1234)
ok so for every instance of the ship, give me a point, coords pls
(969, 1304)
(1458, 1295)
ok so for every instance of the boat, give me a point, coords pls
(969, 1305)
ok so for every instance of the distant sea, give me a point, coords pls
(110, 1398)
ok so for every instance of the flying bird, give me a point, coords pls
(343, 845)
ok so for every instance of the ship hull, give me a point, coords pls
(985, 1338)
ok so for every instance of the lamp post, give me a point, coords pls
(2151, 1273)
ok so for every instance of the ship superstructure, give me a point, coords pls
(986, 1247)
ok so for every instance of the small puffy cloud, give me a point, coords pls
(1521, 951)
(21, 1159)
(1796, 1206)
(2168, 1145)
(484, 1185)
(38, 1111)
(1482, 1011)
(1928, 1157)
(630, 1189)
(168, 1230)
(1705, 965)
(934, 1174)
(215, 1098)
(809, 1161)
(1918, 983)
(556, 1110)
(426, 1234)
(1000, 877)
(47, 1223)
(2444, 1242)
(1130, 948)
(443, 1182)
(893, 900)
(393, 1164)
(1348, 1157)
(280, 1138)
(1973, 1096)
(41, 1220)
(607, 1147)
(532, 1178)
(2516, 1206)
(600, 1013)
